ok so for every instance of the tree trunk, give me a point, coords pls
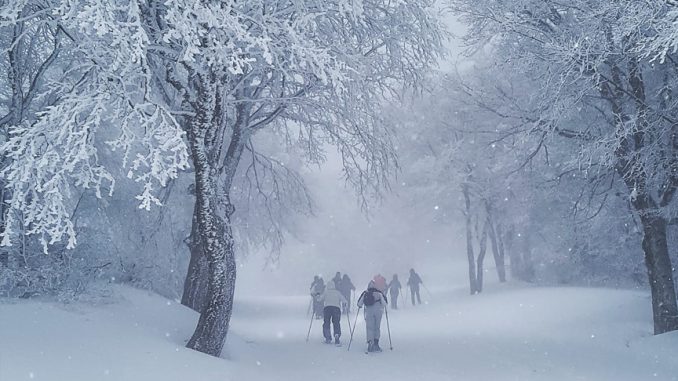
(520, 256)
(195, 284)
(214, 226)
(514, 258)
(658, 262)
(497, 253)
(628, 153)
(481, 258)
(527, 265)
(469, 242)
(4, 196)
(215, 234)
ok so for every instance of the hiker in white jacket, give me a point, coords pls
(332, 299)
(375, 303)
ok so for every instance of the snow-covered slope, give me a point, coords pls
(508, 334)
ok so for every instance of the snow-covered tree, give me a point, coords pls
(74, 84)
(554, 220)
(452, 152)
(55, 118)
(180, 80)
(661, 35)
(312, 72)
(596, 87)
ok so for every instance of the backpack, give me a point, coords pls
(368, 298)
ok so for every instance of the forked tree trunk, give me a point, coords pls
(214, 211)
(215, 233)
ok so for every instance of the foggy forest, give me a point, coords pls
(338, 190)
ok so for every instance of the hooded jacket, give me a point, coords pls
(332, 296)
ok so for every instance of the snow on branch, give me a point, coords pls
(103, 88)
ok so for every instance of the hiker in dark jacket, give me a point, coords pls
(337, 280)
(346, 286)
(312, 293)
(316, 278)
(375, 303)
(413, 282)
(394, 288)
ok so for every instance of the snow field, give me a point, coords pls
(506, 334)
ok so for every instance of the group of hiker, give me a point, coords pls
(331, 299)
(340, 283)
(413, 282)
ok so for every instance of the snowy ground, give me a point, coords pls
(506, 334)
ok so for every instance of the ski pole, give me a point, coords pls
(353, 330)
(388, 328)
(310, 304)
(310, 325)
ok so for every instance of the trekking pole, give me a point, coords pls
(410, 294)
(353, 330)
(427, 291)
(388, 328)
(310, 304)
(349, 321)
(309, 326)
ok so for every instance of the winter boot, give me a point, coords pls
(375, 347)
(336, 339)
(370, 346)
(328, 340)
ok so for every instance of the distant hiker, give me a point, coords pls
(413, 282)
(380, 283)
(332, 300)
(316, 278)
(317, 288)
(337, 280)
(346, 286)
(394, 288)
(311, 291)
(375, 303)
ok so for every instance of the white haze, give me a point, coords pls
(390, 238)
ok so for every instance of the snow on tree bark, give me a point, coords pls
(215, 232)
(195, 282)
